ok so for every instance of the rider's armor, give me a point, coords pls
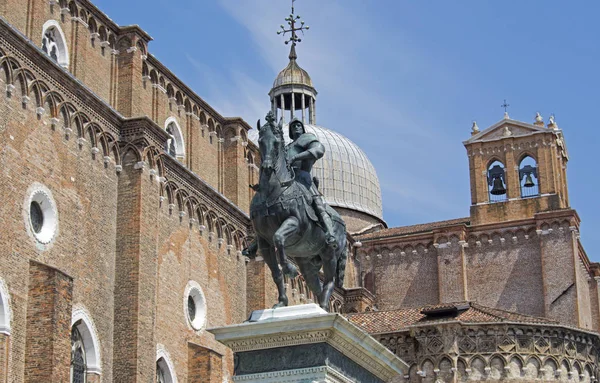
(308, 142)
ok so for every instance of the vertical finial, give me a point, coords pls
(292, 21)
(552, 122)
(539, 120)
(505, 106)
(474, 128)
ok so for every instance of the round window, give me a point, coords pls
(43, 220)
(195, 306)
(36, 216)
(191, 309)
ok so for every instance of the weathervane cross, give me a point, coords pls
(505, 106)
(292, 20)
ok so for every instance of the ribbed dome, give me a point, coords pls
(292, 73)
(347, 177)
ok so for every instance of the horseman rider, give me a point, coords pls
(302, 153)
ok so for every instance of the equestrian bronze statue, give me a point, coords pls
(289, 215)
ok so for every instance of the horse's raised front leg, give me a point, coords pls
(287, 228)
(268, 253)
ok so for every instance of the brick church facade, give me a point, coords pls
(125, 210)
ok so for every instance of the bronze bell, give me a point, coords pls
(529, 181)
(498, 188)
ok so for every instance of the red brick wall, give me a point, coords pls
(84, 190)
(48, 345)
(505, 274)
(4, 352)
(528, 268)
(204, 365)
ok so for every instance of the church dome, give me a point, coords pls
(347, 178)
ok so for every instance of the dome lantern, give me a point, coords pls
(293, 89)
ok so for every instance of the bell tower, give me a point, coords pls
(517, 170)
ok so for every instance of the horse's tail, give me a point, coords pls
(341, 268)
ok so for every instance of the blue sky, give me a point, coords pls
(403, 79)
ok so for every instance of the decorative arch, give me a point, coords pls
(528, 177)
(103, 35)
(81, 321)
(175, 145)
(54, 43)
(496, 179)
(5, 312)
(164, 366)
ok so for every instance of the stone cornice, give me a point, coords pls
(143, 128)
(117, 29)
(154, 62)
(538, 219)
(175, 171)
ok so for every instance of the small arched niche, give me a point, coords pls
(528, 177)
(54, 43)
(496, 179)
(174, 146)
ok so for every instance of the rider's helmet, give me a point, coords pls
(295, 121)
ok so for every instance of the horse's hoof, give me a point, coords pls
(279, 304)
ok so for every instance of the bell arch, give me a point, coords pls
(528, 177)
(496, 179)
(54, 43)
(175, 145)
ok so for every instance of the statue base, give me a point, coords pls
(306, 344)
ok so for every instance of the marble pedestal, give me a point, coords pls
(306, 344)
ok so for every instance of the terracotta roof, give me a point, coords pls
(377, 322)
(414, 229)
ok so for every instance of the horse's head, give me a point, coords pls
(271, 144)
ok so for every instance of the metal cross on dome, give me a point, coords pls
(505, 106)
(292, 20)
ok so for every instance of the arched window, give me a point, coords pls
(164, 369)
(496, 178)
(160, 374)
(87, 336)
(54, 43)
(4, 309)
(528, 177)
(174, 145)
(78, 365)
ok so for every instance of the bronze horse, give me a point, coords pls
(285, 224)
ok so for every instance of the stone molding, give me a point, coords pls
(323, 374)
